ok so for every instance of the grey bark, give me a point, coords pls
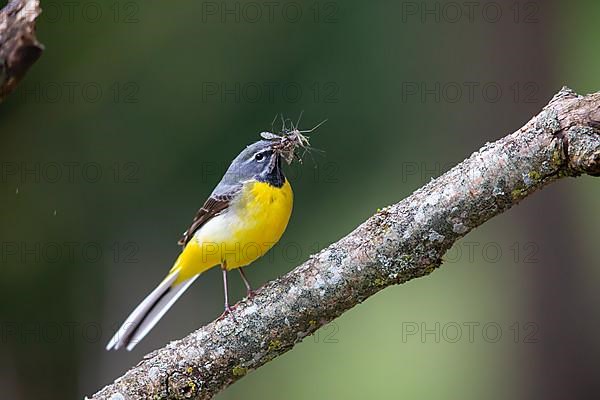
(19, 48)
(400, 242)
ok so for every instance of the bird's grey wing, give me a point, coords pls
(216, 204)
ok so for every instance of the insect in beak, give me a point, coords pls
(290, 140)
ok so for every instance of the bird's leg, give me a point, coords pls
(249, 291)
(228, 309)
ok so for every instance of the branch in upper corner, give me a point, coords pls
(401, 242)
(19, 48)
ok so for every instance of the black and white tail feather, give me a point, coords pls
(148, 313)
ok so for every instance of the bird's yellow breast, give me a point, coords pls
(253, 223)
(263, 211)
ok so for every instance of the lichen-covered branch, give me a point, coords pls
(400, 242)
(19, 48)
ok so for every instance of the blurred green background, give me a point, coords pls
(126, 123)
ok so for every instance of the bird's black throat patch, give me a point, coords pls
(273, 176)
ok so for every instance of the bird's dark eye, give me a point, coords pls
(259, 156)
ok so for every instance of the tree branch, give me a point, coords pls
(401, 242)
(19, 48)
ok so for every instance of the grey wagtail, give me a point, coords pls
(245, 215)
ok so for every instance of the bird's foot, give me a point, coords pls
(227, 312)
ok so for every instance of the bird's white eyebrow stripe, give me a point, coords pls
(254, 155)
(262, 151)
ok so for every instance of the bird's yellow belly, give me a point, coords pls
(254, 222)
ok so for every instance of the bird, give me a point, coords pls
(245, 215)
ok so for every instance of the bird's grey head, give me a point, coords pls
(258, 161)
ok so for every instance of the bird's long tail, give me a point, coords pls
(149, 312)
